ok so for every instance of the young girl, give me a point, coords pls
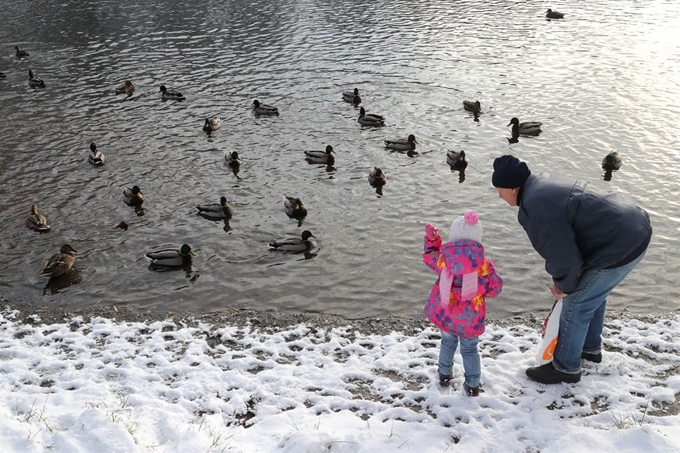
(457, 302)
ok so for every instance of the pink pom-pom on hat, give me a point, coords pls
(471, 217)
(466, 228)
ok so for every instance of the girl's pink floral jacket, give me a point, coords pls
(463, 318)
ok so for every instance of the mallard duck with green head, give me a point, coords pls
(264, 109)
(232, 159)
(36, 221)
(321, 157)
(474, 107)
(402, 144)
(370, 119)
(134, 196)
(352, 96)
(171, 257)
(35, 81)
(612, 161)
(126, 88)
(456, 160)
(216, 211)
(554, 14)
(212, 124)
(301, 244)
(20, 53)
(171, 95)
(96, 157)
(294, 207)
(525, 128)
(377, 177)
(61, 262)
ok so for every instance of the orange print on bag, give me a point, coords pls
(548, 353)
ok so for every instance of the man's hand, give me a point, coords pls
(556, 292)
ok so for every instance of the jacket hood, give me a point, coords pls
(462, 257)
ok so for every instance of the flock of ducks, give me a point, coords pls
(63, 261)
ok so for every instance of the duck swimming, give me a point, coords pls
(126, 88)
(20, 53)
(456, 160)
(554, 14)
(370, 119)
(171, 95)
(216, 211)
(60, 263)
(134, 196)
(232, 159)
(97, 157)
(407, 144)
(352, 96)
(526, 128)
(35, 81)
(264, 109)
(36, 221)
(212, 124)
(612, 161)
(293, 207)
(474, 107)
(321, 157)
(300, 244)
(377, 177)
(171, 257)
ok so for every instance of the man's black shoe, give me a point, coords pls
(597, 358)
(547, 374)
(470, 391)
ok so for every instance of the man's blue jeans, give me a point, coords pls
(582, 316)
(468, 350)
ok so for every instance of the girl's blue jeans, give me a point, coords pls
(468, 350)
(582, 317)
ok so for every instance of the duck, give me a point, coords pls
(370, 119)
(97, 157)
(321, 157)
(474, 107)
(126, 88)
(216, 211)
(61, 262)
(171, 95)
(212, 124)
(294, 207)
(20, 53)
(352, 96)
(35, 81)
(2, 75)
(263, 109)
(134, 196)
(171, 257)
(36, 221)
(612, 161)
(554, 14)
(525, 128)
(300, 244)
(456, 160)
(377, 177)
(402, 144)
(232, 159)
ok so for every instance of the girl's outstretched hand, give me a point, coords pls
(431, 231)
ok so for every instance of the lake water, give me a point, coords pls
(606, 77)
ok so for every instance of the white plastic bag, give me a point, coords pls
(551, 328)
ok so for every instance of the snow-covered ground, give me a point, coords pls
(105, 386)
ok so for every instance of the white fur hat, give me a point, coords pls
(466, 228)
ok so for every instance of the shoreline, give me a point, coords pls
(31, 313)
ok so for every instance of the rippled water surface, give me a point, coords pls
(606, 77)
